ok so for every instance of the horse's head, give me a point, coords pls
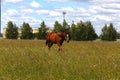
(64, 35)
(67, 37)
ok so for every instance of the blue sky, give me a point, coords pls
(99, 12)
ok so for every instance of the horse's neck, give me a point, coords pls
(62, 35)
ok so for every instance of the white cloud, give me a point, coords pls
(106, 1)
(104, 9)
(106, 12)
(67, 9)
(42, 11)
(104, 17)
(68, 0)
(35, 4)
(98, 12)
(81, 9)
(13, 1)
(30, 19)
(34, 22)
(10, 12)
(95, 1)
(28, 10)
(111, 5)
(54, 13)
(57, 0)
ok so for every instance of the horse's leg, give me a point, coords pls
(59, 47)
(47, 42)
(50, 45)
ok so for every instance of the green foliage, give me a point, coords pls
(65, 26)
(26, 31)
(61, 28)
(11, 31)
(83, 31)
(31, 60)
(80, 31)
(42, 31)
(108, 33)
(104, 34)
(73, 31)
(90, 32)
(118, 35)
(57, 27)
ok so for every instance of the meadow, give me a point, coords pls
(78, 60)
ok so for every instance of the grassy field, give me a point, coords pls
(31, 60)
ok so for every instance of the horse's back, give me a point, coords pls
(53, 36)
(48, 35)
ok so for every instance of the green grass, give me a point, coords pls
(31, 60)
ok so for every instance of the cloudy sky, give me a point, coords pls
(99, 12)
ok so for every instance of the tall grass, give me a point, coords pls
(31, 60)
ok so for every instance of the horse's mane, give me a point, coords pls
(61, 34)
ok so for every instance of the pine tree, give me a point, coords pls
(108, 33)
(57, 27)
(112, 34)
(80, 31)
(104, 34)
(65, 27)
(61, 28)
(85, 31)
(90, 32)
(26, 31)
(73, 31)
(11, 31)
(42, 31)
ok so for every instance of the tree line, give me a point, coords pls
(82, 31)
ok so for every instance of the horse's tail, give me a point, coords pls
(46, 42)
(47, 39)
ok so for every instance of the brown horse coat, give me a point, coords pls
(56, 38)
